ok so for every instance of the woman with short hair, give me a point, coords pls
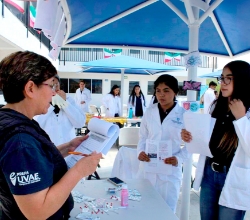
(35, 180)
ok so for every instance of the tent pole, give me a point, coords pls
(191, 96)
(122, 89)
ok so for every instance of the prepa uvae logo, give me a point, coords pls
(24, 178)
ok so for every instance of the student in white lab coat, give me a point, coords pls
(60, 122)
(137, 103)
(225, 178)
(163, 121)
(136, 97)
(83, 96)
(209, 96)
(112, 102)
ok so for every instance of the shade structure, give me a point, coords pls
(126, 64)
(160, 25)
(118, 71)
(215, 74)
(135, 65)
(214, 27)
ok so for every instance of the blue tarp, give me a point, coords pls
(132, 65)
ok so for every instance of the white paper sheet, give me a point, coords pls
(200, 126)
(157, 152)
(102, 136)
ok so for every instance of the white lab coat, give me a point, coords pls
(111, 102)
(61, 128)
(209, 97)
(143, 102)
(170, 129)
(236, 191)
(84, 96)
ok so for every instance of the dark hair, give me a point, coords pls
(155, 98)
(212, 83)
(57, 77)
(112, 90)
(168, 80)
(82, 80)
(20, 67)
(241, 84)
(133, 94)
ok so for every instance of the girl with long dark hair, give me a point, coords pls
(161, 125)
(137, 102)
(225, 178)
(112, 102)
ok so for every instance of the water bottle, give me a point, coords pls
(124, 195)
(130, 113)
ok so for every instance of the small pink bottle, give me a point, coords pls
(124, 195)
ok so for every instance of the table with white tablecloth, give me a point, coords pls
(151, 206)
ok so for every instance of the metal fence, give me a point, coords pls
(24, 18)
(89, 54)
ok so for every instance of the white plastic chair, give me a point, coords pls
(126, 164)
(129, 136)
(93, 109)
(103, 110)
(125, 110)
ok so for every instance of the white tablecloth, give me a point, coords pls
(151, 206)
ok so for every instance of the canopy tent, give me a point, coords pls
(223, 25)
(215, 74)
(126, 64)
(214, 27)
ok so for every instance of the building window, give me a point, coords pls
(87, 83)
(151, 88)
(71, 85)
(64, 84)
(131, 85)
(135, 51)
(74, 84)
(114, 82)
(96, 86)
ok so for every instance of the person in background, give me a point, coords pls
(161, 123)
(137, 102)
(209, 96)
(83, 96)
(35, 180)
(225, 178)
(62, 117)
(82, 99)
(112, 102)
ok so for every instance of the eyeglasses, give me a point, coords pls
(53, 87)
(226, 80)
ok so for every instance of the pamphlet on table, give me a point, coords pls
(101, 138)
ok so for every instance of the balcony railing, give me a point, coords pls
(89, 54)
(24, 18)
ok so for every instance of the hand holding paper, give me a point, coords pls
(198, 134)
(143, 157)
(186, 135)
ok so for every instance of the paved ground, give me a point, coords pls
(105, 171)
